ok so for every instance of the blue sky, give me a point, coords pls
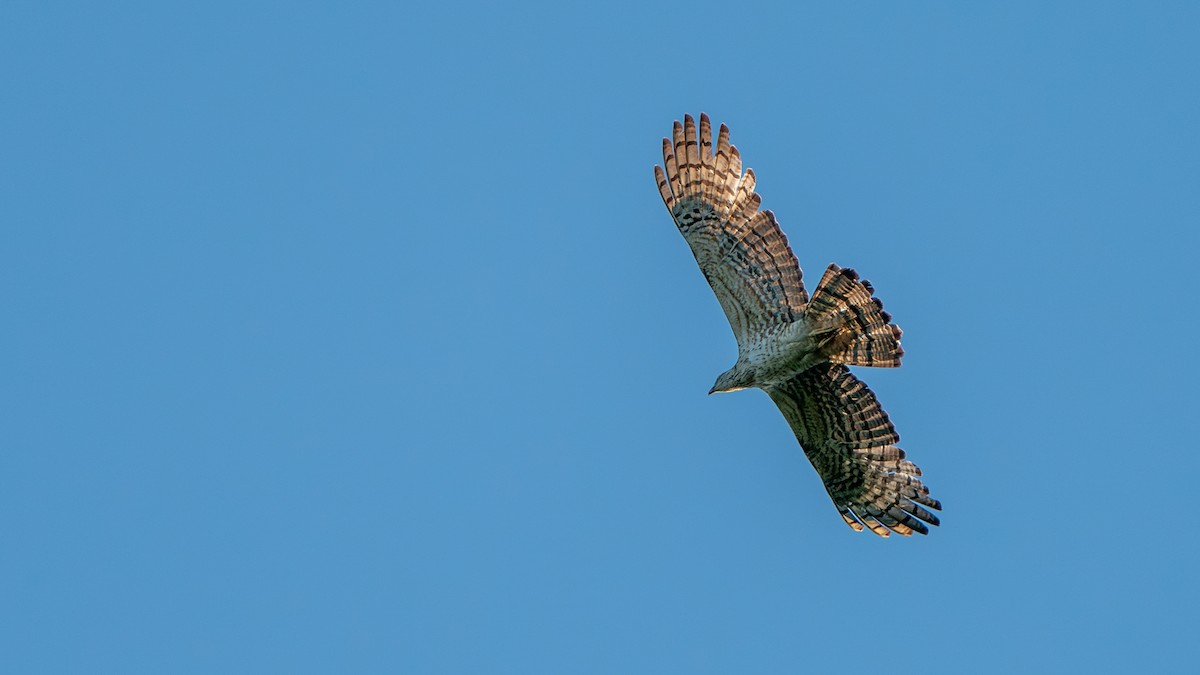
(355, 338)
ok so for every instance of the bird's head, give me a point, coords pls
(736, 378)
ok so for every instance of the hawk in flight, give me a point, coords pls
(792, 346)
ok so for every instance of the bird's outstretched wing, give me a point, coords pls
(850, 440)
(742, 252)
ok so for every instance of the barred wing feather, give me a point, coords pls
(742, 252)
(852, 444)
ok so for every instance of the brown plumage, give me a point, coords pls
(793, 347)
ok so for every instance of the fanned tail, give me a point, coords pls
(850, 323)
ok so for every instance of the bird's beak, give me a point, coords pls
(713, 390)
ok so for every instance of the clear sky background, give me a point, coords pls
(355, 338)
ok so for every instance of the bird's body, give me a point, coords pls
(794, 347)
(772, 358)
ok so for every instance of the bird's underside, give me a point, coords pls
(794, 347)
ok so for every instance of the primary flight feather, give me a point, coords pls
(794, 347)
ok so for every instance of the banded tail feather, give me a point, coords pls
(850, 321)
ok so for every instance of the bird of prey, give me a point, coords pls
(794, 347)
